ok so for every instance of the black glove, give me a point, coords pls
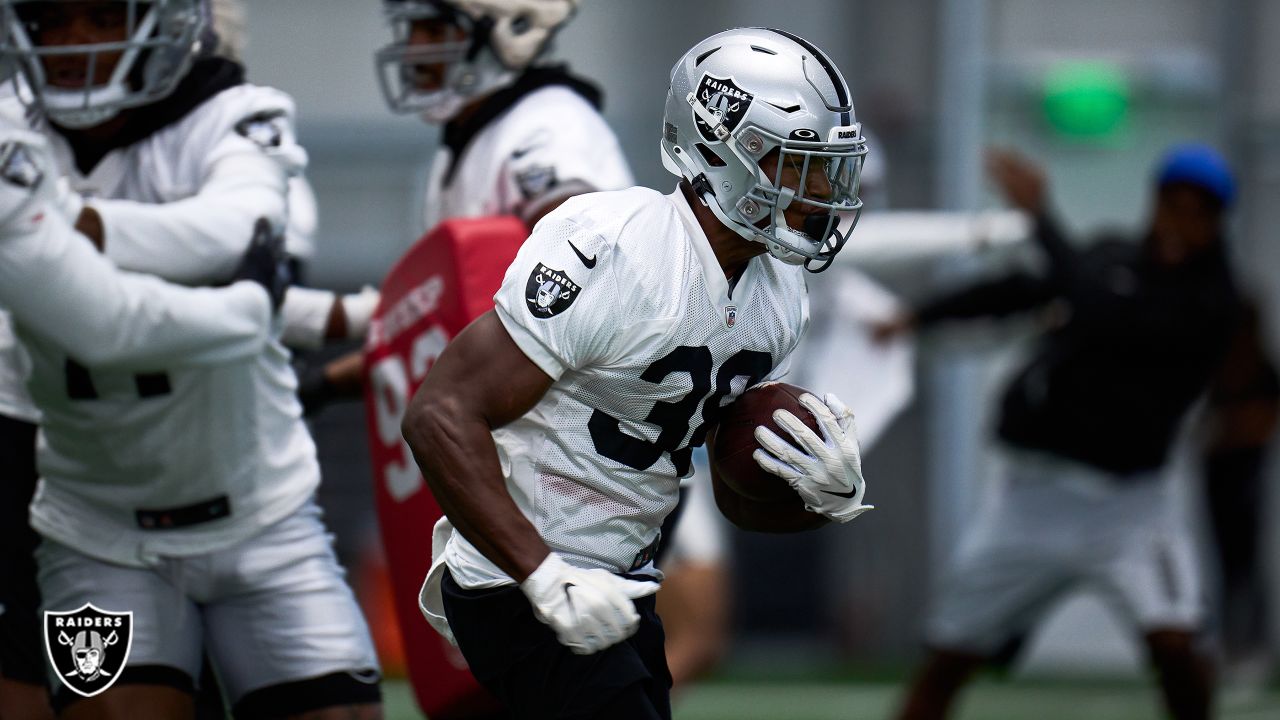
(266, 263)
(314, 388)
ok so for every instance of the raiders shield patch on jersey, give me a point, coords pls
(549, 292)
(535, 181)
(264, 128)
(88, 647)
(724, 99)
(17, 166)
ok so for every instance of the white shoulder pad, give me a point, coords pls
(262, 115)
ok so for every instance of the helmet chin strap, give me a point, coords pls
(77, 110)
(443, 108)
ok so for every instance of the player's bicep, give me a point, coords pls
(484, 374)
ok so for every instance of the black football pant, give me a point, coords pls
(518, 659)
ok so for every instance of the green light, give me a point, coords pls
(1086, 100)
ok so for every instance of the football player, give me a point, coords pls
(183, 494)
(1087, 427)
(520, 135)
(555, 429)
(74, 297)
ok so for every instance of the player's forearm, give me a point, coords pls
(58, 287)
(458, 458)
(1014, 293)
(198, 240)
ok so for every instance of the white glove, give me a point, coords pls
(359, 308)
(826, 471)
(588, 609)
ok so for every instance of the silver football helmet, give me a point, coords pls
(742, 94)
(493, 41)
(160, 40)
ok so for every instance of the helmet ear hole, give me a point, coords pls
(712, 159)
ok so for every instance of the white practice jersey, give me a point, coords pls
(549, 145)
(620, 299)
(53, 280)
(176, 459)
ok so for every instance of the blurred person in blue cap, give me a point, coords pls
(1133, 333)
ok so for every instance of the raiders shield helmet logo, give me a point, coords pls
(724, 99)
(88, 647)
(549, 292)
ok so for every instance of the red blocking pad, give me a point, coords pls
(445, 281)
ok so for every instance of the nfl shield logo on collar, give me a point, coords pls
(730, 315)
(88, 647)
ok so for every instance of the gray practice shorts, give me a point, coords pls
(1057, 526)
(273, 609)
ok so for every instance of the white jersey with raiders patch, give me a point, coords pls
(549, 145)
(619, 297)
(185, 458)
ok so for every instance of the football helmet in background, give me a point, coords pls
(740, 95)
(161, 39)
(486, 45)
(231, 26)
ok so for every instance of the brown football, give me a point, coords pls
(735, 440)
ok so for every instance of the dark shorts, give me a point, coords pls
(21, 651)
(519, 660)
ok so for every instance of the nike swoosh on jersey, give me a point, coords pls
(846, 495)
(589, 262)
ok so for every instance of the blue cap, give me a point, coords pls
(1198, 165)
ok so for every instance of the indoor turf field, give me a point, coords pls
(750, 699)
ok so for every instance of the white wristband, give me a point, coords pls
(306, 317)
(359, 308)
